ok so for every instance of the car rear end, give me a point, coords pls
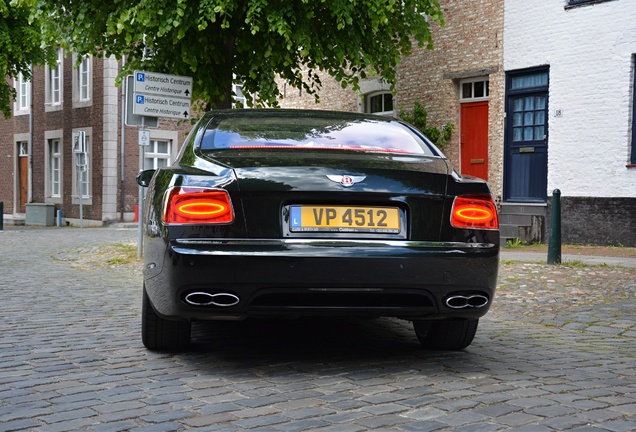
(362, 226)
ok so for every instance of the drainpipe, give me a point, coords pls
(30, 144)
(123, 147)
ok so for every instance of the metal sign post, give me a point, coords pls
(79, 187)
(154, 95)
(144, 140)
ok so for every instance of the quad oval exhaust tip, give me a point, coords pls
(466, 301)
(200, 298)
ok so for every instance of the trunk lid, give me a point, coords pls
(271, 182)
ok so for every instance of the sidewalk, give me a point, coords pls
(511, 254)
(507, 254)
(521, 255)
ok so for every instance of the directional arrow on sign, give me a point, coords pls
(161, 106)
(163, 84)
(162, 95)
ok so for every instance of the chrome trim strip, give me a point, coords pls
(332, 243)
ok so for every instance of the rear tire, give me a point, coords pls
(449, 334)
(161, 334)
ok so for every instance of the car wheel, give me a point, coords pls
(450, 334)
(162, 334)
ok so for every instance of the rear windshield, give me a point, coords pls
(312, 133)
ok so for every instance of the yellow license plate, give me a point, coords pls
(355, 219)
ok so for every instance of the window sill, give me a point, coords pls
(54, 200)
(82, 104)
(86, 201)
(49, 107)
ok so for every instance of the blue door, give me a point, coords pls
(526, 140)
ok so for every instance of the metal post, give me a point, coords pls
(140, 224)
(554, 243)
(1, 215)
(122, 185)
(81, 206)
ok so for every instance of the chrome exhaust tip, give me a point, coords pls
(466, 301)
(201, 298)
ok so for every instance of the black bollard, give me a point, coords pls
(554, 242)
(1, 215)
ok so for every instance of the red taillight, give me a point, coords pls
(197, 206)
(475, 212)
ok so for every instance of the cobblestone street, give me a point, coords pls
(556, 352)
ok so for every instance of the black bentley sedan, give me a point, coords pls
(287, 213)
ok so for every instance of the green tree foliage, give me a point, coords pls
(20, 47)
(211, 40)
(418, 118)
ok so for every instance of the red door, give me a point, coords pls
(23, 178)
(474, 139)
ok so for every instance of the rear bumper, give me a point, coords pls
(307, 277)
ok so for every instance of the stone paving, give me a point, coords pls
(556, 352)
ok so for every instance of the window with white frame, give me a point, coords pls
(238, 98)
(379, 103)
(157, 154)
(54, 82)
(474, 89)
(82, 172)
(23, 148)
(83, 80)
(23, 94)
(55, 167)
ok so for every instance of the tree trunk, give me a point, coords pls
(226, 102)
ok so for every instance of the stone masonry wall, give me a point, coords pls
(8, 158)
(596, 221)
(121, 197)
(469, 46)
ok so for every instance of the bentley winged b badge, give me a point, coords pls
(346, 180)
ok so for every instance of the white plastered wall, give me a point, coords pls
(590, 52)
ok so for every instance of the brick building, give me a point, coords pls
(571, 114)
(39, 164)
(461, 81)
(542, 96)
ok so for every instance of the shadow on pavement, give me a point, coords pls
(307, 340)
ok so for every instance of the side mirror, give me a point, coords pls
(144, 177)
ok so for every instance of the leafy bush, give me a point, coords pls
(417, 118)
